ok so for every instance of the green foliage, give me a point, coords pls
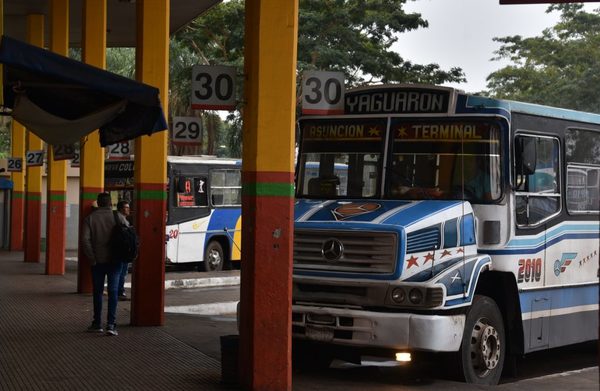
(5, 136)
(356, 36)
(351, 36)
(559, 68)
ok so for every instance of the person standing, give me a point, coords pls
(123, 214)
(96, 233)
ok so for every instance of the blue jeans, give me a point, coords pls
(122, 276)
(100, 272)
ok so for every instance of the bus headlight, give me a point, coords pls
(398, 295)
(415, 296)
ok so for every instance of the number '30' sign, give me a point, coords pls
(323, 93)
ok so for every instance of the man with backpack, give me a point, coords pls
(123, 214)
(96, 236)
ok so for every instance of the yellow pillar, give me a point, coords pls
(56, 194)
(17, 202)
(91, 174)
(33, 195)
(152, 67)
(268, 194)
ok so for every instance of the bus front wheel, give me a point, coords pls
(213, 257)
(484, 344)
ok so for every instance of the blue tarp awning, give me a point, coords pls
(61, 100)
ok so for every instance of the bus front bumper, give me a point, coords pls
(359, 328)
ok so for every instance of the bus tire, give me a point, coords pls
(483, 347)
(214, 258)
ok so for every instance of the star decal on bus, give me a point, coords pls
(412, 261)
(374, 131)
(429, 257)
(354, 209)
(446, 253)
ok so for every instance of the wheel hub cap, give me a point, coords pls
(490, 347)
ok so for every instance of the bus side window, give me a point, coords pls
(536, 172)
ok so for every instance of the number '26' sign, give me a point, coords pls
(323, 93)
(15, 164)
(213, 87)
(187, 130)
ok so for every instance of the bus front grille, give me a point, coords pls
(345, 251)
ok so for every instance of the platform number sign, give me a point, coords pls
(323, 93)
(213, 87)
(15, 164)
(63, 151)
(187, 130)
(34, 158)
(120, 151)
(75, 162)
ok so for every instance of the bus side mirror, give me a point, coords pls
(525, 155)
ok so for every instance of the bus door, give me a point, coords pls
(190, 211)
(538, 204)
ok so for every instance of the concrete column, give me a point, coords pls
(152, 67)
(56, 194)
(268, 194)
(33, 192)
(91, 173)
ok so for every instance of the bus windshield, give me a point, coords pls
(444, 159)
(341, 158)
(434, 158)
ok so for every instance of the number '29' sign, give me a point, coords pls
(187, 130)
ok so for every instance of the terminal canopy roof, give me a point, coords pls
(61, 100)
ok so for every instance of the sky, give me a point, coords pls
(460, 34)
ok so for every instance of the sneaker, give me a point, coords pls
(95, 328)
(123, 297)
(111, 330)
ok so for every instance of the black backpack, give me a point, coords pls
(124, 242)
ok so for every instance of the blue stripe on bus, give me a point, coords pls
(563, 228)
(540, 247)
(222, 218)
(560, 297)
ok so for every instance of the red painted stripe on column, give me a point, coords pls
(84, 268)
(268, 237)
(17, 221)
(147, 304)
(56, 233)
(33, 227)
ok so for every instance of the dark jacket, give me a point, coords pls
(95, 235)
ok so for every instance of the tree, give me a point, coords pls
(351, 36)
(559, 68)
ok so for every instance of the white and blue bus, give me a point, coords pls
(462, 224)
(204, 197)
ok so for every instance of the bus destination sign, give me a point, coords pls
(401, 100)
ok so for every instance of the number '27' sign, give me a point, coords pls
(34, 158)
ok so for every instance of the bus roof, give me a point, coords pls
(204, 159)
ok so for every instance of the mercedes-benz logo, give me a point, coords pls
(332, 250)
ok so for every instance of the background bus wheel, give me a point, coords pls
(213, 257)
(483, 345)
